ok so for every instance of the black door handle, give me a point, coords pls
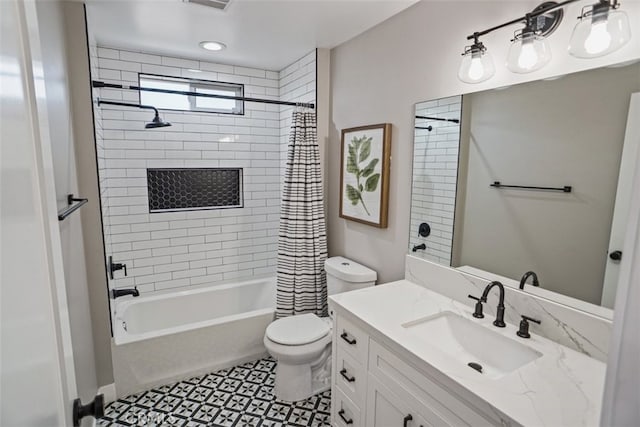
(406, 420)
(616, 255)
(349, 378)
(345, 419)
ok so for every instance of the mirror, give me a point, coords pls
(531, 177)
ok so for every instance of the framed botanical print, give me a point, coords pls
(364, 174)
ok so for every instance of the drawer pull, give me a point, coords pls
(345, 419)
(406, 420)
(345, 336)
(349, 378)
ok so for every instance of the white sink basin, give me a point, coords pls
(470, 343)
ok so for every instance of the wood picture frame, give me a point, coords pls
(365, 157)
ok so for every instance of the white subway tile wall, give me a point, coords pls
(177, 249)
(103, 174)
(297, 84)
(435, 173)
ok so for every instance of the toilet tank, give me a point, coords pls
(344, 275)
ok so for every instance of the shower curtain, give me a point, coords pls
(302, 242)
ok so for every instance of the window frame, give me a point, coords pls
(202, 84)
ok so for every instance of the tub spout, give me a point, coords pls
(115, 293)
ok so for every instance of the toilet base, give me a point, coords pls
(299, 382)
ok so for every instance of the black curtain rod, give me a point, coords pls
(438, 118)
(524, 19)
(99, 84)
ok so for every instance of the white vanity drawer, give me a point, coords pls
(344, 413)
(353, 340)
(398, 376)
(351, 377)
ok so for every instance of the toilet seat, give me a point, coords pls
(298, 330)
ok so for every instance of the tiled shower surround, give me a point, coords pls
(435, 169)
(178, 249)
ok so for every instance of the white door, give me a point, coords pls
(623, 199)
(37, 383)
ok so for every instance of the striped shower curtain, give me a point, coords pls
(302, 242)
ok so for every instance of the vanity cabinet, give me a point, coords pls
(373, 386)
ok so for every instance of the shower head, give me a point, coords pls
(157, 122)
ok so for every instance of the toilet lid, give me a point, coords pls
(298, 330)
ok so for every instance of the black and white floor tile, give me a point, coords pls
(236, 397)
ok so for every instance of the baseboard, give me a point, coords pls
(109, 392)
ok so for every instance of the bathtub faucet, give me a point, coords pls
(115, 293)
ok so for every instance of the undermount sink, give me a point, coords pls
(473, 345)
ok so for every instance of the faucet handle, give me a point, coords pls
(523, 332)
(530, 319)
(478, 309)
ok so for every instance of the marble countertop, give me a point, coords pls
(561, 388)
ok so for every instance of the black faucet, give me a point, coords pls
(419, 247)
(526, 275)
(499, 322)
(115, 293)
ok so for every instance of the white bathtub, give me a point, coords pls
(173, 336)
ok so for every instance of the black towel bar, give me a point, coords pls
(74, 204)
(565, 189)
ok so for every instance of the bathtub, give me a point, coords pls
(173, 336)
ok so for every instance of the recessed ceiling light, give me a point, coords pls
(210, 45)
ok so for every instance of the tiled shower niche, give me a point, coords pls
(194, 189)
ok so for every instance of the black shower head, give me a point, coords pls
(157, 122)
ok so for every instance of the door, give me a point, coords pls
(623, 199)
(37, 380)
(386, 409)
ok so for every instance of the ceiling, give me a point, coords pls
(268, 34)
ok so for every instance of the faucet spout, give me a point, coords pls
(499, 322)
(115, 293)
(526, 275)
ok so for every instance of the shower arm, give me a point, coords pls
(127, 104)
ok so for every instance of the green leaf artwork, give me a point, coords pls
(359, 151)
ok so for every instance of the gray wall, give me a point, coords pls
(378, 76)
(568, 131)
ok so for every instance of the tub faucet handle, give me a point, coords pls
(115, 266)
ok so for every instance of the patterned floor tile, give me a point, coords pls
(241, 396)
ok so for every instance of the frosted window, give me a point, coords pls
(170, 101)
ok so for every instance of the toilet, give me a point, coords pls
(302, 344)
